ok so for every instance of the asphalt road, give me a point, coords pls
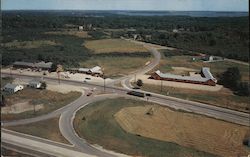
(68, 112)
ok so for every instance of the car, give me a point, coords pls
(89, 94)
(87, 78)
(148, 94)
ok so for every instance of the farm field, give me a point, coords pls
(43, 101)
(113, 45)
(48, 129)
(100, 116)
(117, 66)
(80, 34)
(186, 129)
(223, 98)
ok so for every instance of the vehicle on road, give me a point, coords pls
(136, 88)
(148, 94)
(87, 78)
(136, 93)
(89, 94)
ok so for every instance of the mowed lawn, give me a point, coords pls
(96, 123)
(117, 66)
(49, 99)
(113, 45)
(48, 129)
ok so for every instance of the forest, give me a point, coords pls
(222, 36)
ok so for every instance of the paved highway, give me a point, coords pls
(67, 113)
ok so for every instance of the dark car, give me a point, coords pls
(89, 94)
(136, 87)
(148, 94)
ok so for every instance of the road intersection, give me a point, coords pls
(68, 112)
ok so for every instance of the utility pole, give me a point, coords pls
(161, 85)
(104, 83)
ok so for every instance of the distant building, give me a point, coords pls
(35, 66)
(80, 28)
(95, 71)
(35, 84)
(205, 79)
(175, 30)
(12, 88)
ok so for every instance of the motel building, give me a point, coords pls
(95, 71)
(206, 77)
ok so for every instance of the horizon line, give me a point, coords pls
(122, 10)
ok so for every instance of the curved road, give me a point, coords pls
(68, 112)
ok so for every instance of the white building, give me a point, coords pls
(12, 88)
(35, 84)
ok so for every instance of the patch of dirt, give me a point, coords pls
(20, 107)
(186, 129)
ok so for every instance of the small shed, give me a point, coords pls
(12, 88)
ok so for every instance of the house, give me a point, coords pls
(95, 71)
(35, 84)
(12, 88)
(80, 28)
(206, 77)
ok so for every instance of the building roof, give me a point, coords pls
(10, 86)
(34, 82)
(180, 77)
(43, 64)
(24, 64)
(206, 72)
(96, 69)
(38, 65)
(83, 69)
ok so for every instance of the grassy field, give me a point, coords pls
(216, 68)
(116, 66)
(48, 129)
(80, 34)
(50, 100)
(11, 153)
(224, 98)
(97, 125)
(29, 44)
(186, 129)
(113, 45)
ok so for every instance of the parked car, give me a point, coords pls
(89, 94)
(87, 78)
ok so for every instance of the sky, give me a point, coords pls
(168, 5)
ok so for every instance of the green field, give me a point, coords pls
(51, 101)
(113, 45)
(48, 129)
(96, 124)
(117, 66)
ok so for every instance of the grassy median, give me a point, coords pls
(96, 124)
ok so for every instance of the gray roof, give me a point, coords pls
(34, 82)
(24, 64)
(205, 71)
(180, 77)
(10, 86)
(38, 65)
(43, 65)
(83, 69)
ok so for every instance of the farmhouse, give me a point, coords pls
(35, 66)
(12, 88)
(206, 77)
